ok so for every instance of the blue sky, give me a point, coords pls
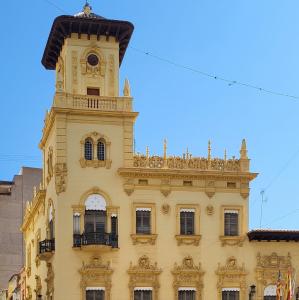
(250, 41)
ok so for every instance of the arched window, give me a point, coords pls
(270, 292)
(101, 150)
(88, 153)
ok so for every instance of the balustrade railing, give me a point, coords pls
(95, 238)
(100, 103)
(47, 246)
(176, 162)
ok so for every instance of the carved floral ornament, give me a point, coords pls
(165, 208)
(60, 177)
(267, 270)
(38, 285)
(93, 70)
(188, 275)
(50, 164)
(49, 280)
(60, 75)
(144, 274)
(231, 275)
(28, 293)
(96, 273)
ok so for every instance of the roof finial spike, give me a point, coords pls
(165, 149)
(127, 89)
(87, 9)
(243, 151)
(225, 156)
(187, 153)
(147, 152)
(209, 150)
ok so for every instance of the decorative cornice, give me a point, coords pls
(33, 207)
(193, 174)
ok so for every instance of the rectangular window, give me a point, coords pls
(230, 295)
(231, 223)
(93, 91)
(93, 294)
(187, 221)
(95, 221)
(187, 295)
(114, 225)
(76, 223)
(142, 295)
(143, 221)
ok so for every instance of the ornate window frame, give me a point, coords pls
(144, 238)
(267, 269)
(93, 71)
(188, 239)
(144, 274)
(237, 240)
(232, 276)
(80, 207)
(95, 137)
(188, 275)
(96, 273)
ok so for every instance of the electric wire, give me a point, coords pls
(214, 76)
(230, 82)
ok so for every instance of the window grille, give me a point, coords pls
(95, 295)
(231, 223)
(101, 150)
(230, 295)
(187, 295)
(187, 223)
(114, 225)
(143, 222)
(88, 150)
(143, 295)
(95, 221)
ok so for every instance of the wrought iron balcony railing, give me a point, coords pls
(95, 238)
(47, 246)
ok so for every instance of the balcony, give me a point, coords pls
(46, 249)
(95, 103)
(95, 240)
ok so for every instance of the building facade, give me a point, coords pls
(13, 197)
(109, 224)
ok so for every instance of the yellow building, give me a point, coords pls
(109, 224)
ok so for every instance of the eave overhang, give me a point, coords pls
(273, 235)
(64, 26)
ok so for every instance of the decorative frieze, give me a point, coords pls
(188, 275)
(96, 273)
(144, 274)
(231, 275)
(267, 269)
